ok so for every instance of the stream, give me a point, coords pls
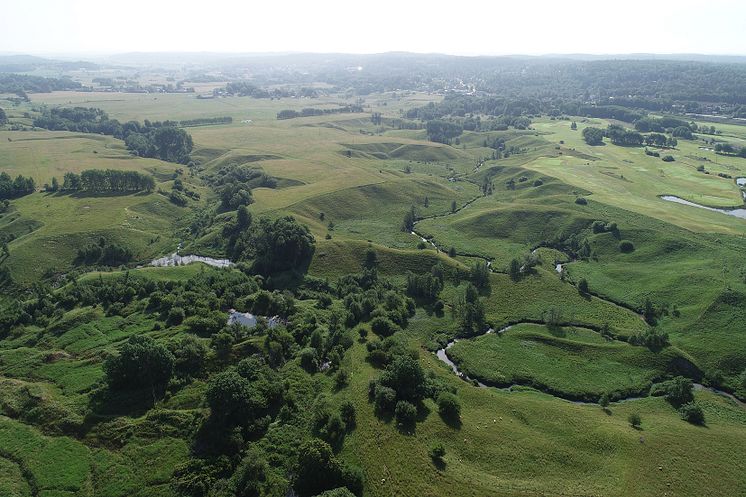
(739, 212)
(442, 355)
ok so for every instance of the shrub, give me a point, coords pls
(678, 391)
(449, 406)
(232, 399)
(437, 451)
(405, 376)
(382, 326)
(667, 158)
(142, 362)
(190, 354)
(337, 492)
(538, 182)
(178, 198)
(175, 316)
(309, 359)
(347, 411)
(581, 201)
(385, 398)
(583, 286)
(342, 378)
(406, 412)
(634, 420)
(372, 385)
(319, 470)
(598, 227)
(692, 413)
(438, 306)
(626, 246)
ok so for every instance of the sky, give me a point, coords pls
(473, 27)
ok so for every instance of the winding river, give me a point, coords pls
(442, 355)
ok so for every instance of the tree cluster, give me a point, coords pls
(104, 253)
(161, 140)
(443, 131)
(18, 187)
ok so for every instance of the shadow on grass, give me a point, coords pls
(557, 331)
(107, 194)
(439, 463)
(135, 403)
(451, 421)
(105, 404)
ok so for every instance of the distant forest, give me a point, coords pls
(21, 84)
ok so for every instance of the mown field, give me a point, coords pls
(352, 183)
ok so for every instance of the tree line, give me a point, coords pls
(204, 121)
(307, 112)
(618, 135)
(107, 180)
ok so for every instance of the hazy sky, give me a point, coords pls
(457, 27)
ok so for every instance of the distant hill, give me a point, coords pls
(28, 63)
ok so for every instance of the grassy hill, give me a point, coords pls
(66, 432)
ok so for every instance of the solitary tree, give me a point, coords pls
(649, 313)
(243, 217)
(142, 362)
(515, 270)
(634, 420)
(409, 219)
